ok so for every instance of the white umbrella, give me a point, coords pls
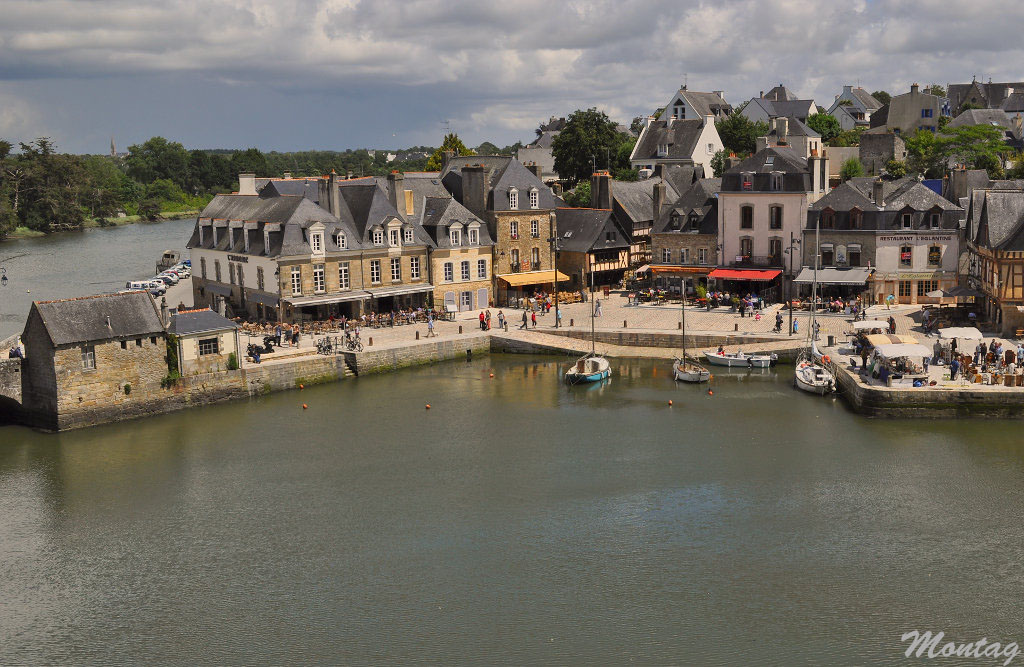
(870, 324)
(969, 333)
(894, 350)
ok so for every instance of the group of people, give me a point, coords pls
(991, 357)
(485, 320)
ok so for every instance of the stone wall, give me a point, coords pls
(677, 241)
(379, 361)
(661, 339)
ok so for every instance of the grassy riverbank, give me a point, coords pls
(26, 233)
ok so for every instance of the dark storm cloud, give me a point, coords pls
(334, 73)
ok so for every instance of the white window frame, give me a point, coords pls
(666, 256)
(375, 271)
(408, 235)
(378, 237)
(207, 346)
(513, 199)
(481, 268)
(319, 279)
(88, 357)
(474, 236)
(702, 255)
(535, 229)
(414, 268)
(342, 241)
(711, 149)
(316, 242)
(513, 230)
(464, 270)
(396, 269)
(296, 281)
(455, 236)
(935, 220)
(906, 221)
(449, 272)
(344, 281)
(394, 238)
(534, 198)
(534, 258)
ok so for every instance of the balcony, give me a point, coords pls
(757, 262)
(515, 267)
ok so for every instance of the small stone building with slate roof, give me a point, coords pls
(791, 132)
(685, 236)
(995, 241)
(88, 360)
(205, 341)
(853, 107)
(903, 229)
(591, 244)
(779, 102)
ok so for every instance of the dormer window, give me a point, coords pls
(934, 220)
(855, 218)
(679, 112)
(378, 237)
(408, 234)
(748, 180)
(662, 150)
(341, 241)
(828, 219)
(245, 238)
(534, 198)
(266, 243)
(474, 237)
(513, 198)
(456, 237)
(693, 220)
(394, 238)
(776, 180)
(316, 242)
(906, 220)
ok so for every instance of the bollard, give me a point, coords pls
(680, 325)
(506, 326)
(469, 355)
(623, 324)
(417, 335)
(369, 343)
(460, 328)
(736, 326)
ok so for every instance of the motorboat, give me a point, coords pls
(589, 368)
(740, 359)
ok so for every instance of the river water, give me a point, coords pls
(92, 261)
(518, 521)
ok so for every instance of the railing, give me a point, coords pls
(515, 267)
(757, 261)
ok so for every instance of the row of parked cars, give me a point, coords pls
(158, 284)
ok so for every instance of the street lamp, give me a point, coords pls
(3, 277)
(793, 244)
(553, 240)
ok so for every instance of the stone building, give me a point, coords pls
(205, 341)
(519, 210)
(684, 240)
(907, 113)
(89, 359)
(981, 95)
(902, 229)
(877, 147)
(592, 247)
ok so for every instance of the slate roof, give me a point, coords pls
(505, 172)
(199, 321)
(796, 128)
(700, 198)
(544, 140)
(1013, 103)
(99, 318)
(1002, 220)
(897, 195)
(681, 137)
(439, 213)
(992, 94)
(304, 187)
(780, 94)
(583, 230)
(785, 160)
(705, 104)
(636, 199)
(796, 108)
(982, 117)
(869, 101)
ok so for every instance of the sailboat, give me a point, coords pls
(684, 369)
(811, 375)
(591, 367)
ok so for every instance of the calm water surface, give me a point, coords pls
(93, 261)
(518, 521)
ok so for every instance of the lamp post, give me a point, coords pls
(553, 240)
(3, 277)
(793, 244)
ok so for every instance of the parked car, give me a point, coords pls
(166, 280)
(157, 287)
(136, 285)
(173, 277)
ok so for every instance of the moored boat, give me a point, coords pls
(589, 368)
(810, 374)
(687, 370)
(740, 359)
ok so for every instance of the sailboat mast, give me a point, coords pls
(814, 282)
(683, 323)
(593, 349)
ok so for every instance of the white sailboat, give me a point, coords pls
(591, 367)
(683, 368)
(811, 375)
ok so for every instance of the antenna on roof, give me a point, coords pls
(686, 80)
(447, 125)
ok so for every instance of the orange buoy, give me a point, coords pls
(826, 359)
(428, 406)
(710, 393)
(670, 401)
(302, 386)
(492, 374)
(304, 406)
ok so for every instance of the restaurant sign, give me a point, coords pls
(238, 258)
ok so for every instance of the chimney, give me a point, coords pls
(396, 189)
(914, 88)
(877, 193)
(247, 184)
(556, 189)
(474, 189)
(535, 169)
(446, 157)
(601, 190)
(782, 128)
(650, 119)
(847, 89)
(659, 199)
(287, 174)
(659, 170)
(720, 93)
(671, 119)
(333, 195)
(165, 318)
(222, 306)
(761, 94)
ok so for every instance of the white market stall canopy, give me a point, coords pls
(870, 324)
(847, 276)
(894, 350)
(969, 333)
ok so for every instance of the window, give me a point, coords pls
(609, 235)
(535, 229)
(408, 234)
(88, 357)
(316, 242)
(934, 255)
(216, 269)
(702, 255)
(465, 271)
(906, 220)
(474, 236)
(904, 288)
(746, 247)
(393, 236)
(855, 218)
(775, 217)
(828, 255)
(202, 267)
(925, 286)
(296, 280)
(266, 243)
(378, 237)
(747, 217)
(666, 256)
(207, 346)
(853, 255)
(535, 258)
(513, 228)
(748, 180)
(662, 150)
(414, 268)
(775, 250)
(679, 112)
(152, 340)
(513, 198)
(534, 199)
(343, 277)
(711, 149)
(906, 255)
(481, 268)
(374, 270)
(693, 220)
(245, 237)
(449, 274)
(456, 237)
(396, 269)
(935, 220)
(259, 277)
(124, 345)
(927, 113)
(684, 255)
(828, 219)
(341, 240)
(201, 228)
(514, 258)
(231, 273)
(776, 181)
(318, 278)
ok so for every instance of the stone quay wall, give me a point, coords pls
(389, 359)
(627, 338)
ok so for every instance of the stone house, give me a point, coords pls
(539, 152)
(592, 247)
(675, 141)
(793, 133)
(205, 341)
(902, 229)
(684, 240)
(519, 210)
(780, 102)
(89, 359)
(907, 113)
(877, 147)
(981, 95)
(853, 107)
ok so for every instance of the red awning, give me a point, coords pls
(745, 274)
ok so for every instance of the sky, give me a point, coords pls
(334, 74)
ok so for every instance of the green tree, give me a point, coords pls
(718, 163)
(978, 146)
(487, 148)
(825, 125)
(896, 168)
(249, 161)
(158, 158)
(849, 137)
(882, 96)
(637, 126)
(580, 196)
(589, 138)
(627, 175)
(852, 168)
(739, 134)
(936, 89)
(925, 154)
(451, 143)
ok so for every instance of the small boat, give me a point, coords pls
(685, 369)
(589, 368)
(741, 360)
(812, 377)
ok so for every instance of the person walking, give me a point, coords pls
(482, 325)
(525, 320)
(864, 357)
(295, 335)
(501, 320)
(533, 318)
(892, 324)
(778, 322)
(430, 325)
(597, 308)
(954, 366)
(487, 318)
(277, 334)
(558, 317)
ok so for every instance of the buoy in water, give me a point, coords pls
(670, 402)
(492, 374)
(304, 406)
(710, 393)
(302, 386)
(428, 406)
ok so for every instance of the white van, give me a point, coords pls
(136, 285)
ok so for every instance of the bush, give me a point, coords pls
(896, 168)
(127, 389)
(232, 362)
(851, 169)
(701, 291)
